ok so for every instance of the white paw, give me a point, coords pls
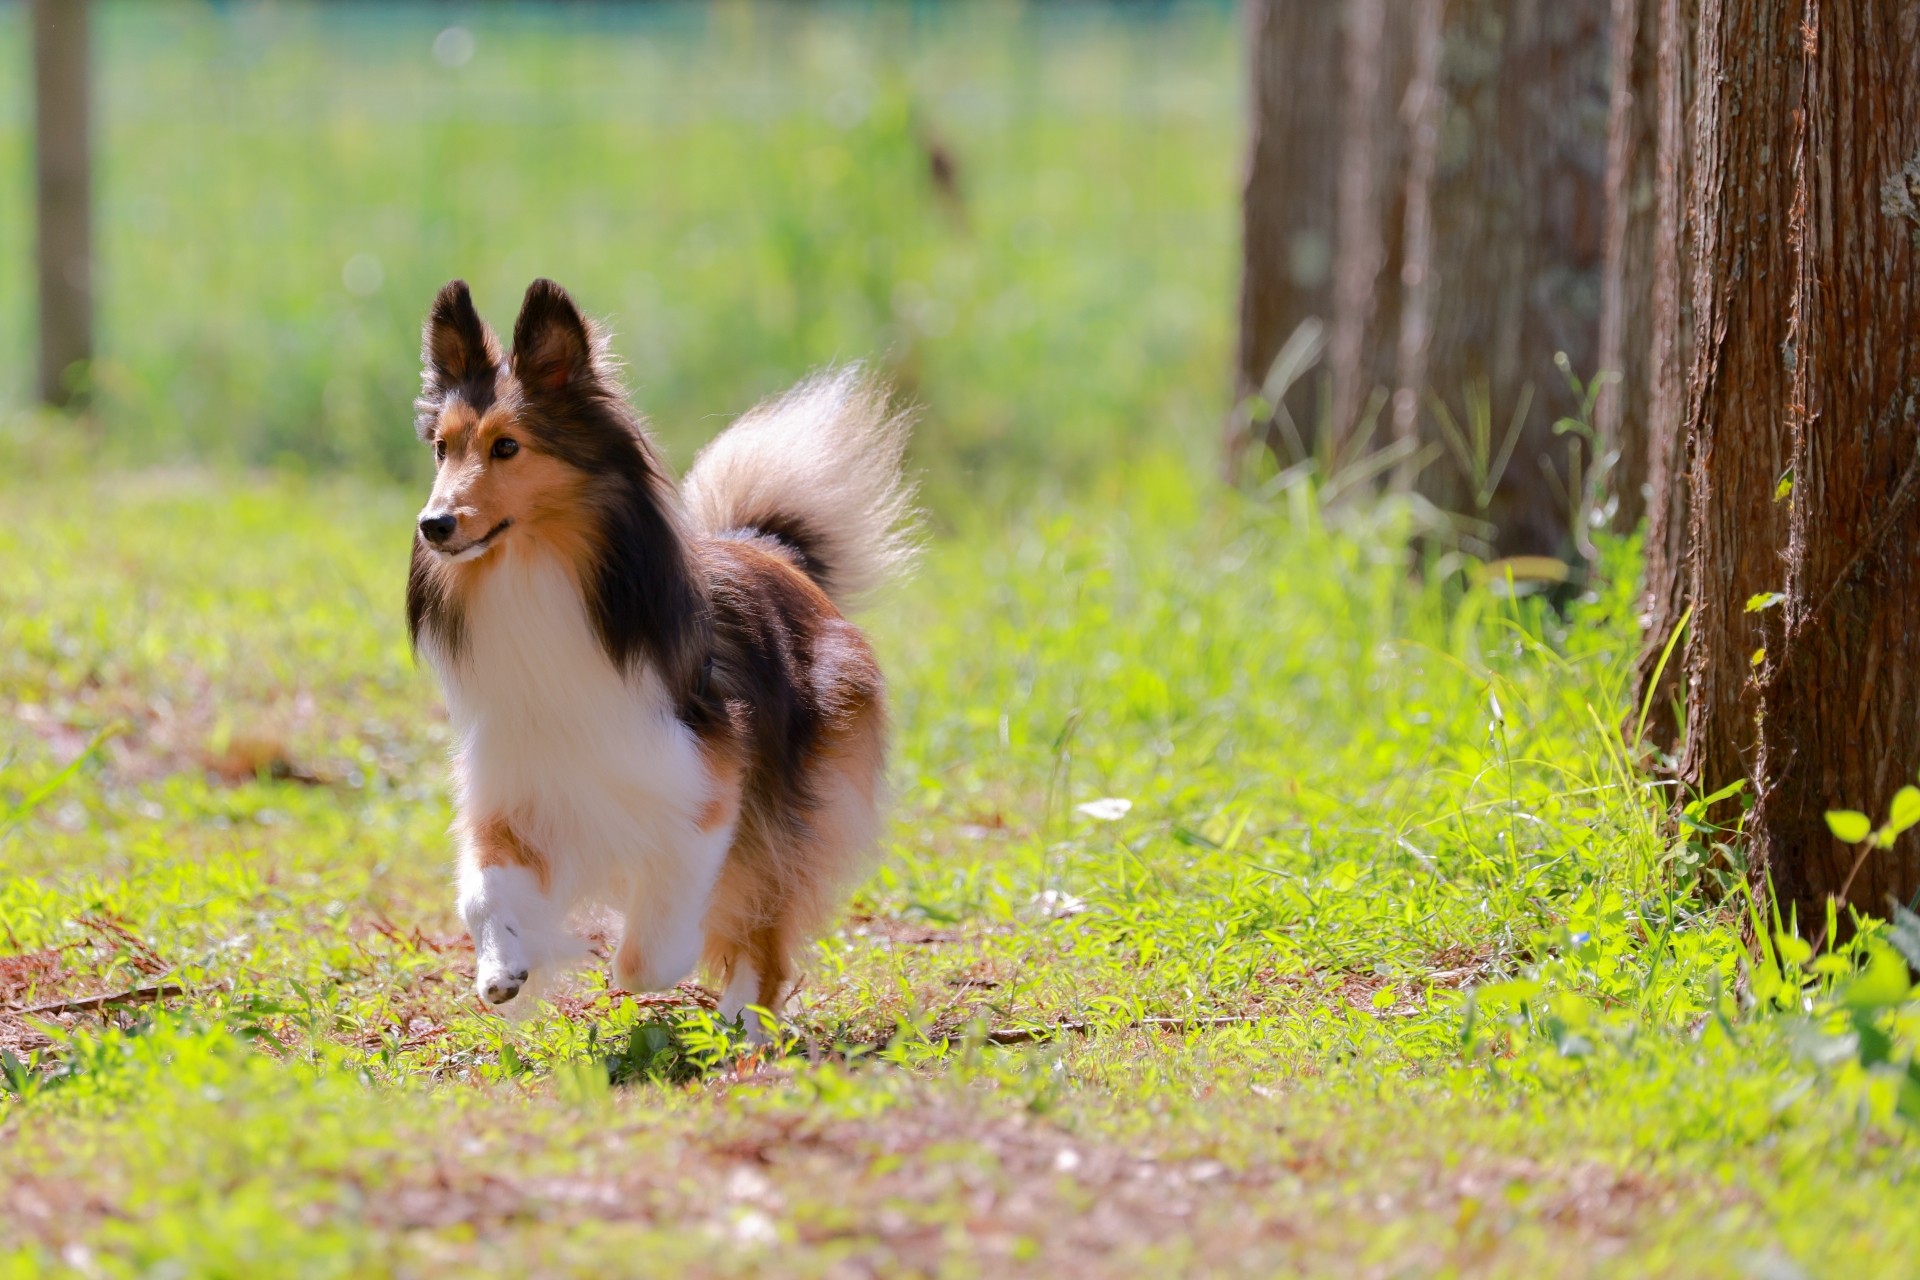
(502, 968)
(499, 984)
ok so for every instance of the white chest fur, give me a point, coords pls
(588, 764)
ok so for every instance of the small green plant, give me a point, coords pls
(1850, 826)
(1710, 850)
(1591, 460)
(681, 1049)
(653, 1052)
(1474, 452)
(1854, 1005)
(1852, 1010)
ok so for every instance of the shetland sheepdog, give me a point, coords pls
(658, 704)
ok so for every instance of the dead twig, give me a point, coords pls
(1049, 1031)
(1054, 1030)
(87, 1004)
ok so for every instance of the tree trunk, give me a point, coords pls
(1748, 88)
(1503, 258)
(1369, 246)
(1626, 287)
(1287, 215)
(1657, 686)
(63, 206)
(1841, 689)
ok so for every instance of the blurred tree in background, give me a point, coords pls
(63, 204)
(1626, 281)
(1472, 157)
(1295, 155)
(1504, 209)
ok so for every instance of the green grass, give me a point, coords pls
(741, 191)
(1482, 1027)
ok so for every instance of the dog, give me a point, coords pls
(658, 703)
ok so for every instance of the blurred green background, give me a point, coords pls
(1025, 213)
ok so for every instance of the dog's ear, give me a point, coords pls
(457, 348)
(552, 342)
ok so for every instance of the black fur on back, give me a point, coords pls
(797, 540)
(763, 655)
(791, 671)
(645, 593)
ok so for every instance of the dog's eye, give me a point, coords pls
(439, 450)
(505, 447)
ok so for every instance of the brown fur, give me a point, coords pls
(494, 843)
(727, 769)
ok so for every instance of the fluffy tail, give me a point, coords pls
(819, 469)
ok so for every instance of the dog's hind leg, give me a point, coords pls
(745, 917)
(785, 875)
(758, 977)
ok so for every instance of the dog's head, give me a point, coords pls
(517, 438)
(537, 449)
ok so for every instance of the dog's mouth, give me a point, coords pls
(478, 547)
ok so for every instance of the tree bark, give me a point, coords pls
(63, 199)
(1415, 471)
(1626, 288)
(1369, 246)
(1748, 91)
(1504, 246)
(1841, 688)
(1657, 686)
(1287, 213)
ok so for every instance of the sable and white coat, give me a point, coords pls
(658, 705)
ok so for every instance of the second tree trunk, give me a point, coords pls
(1504, 247)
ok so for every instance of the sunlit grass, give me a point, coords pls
(1384, 829)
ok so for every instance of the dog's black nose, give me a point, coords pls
(436, 529)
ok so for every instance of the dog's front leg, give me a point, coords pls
(504, 888)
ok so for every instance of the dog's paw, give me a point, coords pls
(498, 984)
(502, 968)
